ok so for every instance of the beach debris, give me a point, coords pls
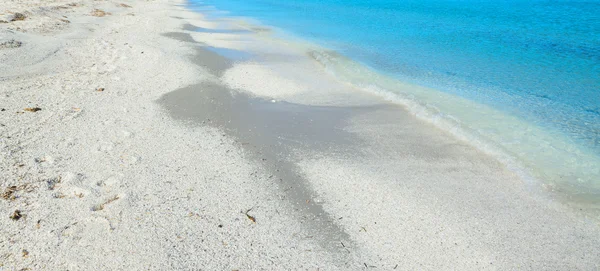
(100, 89)
(25, 253)
(344, 246)
(252, 218)
(192, 214)
(52, 182)
(16, 215)
(124, 5)
(59, 195)
(99, 207)
(39, 160)
(10, 44)
(18, 17)
(3, 22)
(9, 193)
(99, 13)
(32, 109)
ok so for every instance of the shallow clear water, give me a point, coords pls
(536, 62)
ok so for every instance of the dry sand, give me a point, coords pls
(104, 180)
(138, 135)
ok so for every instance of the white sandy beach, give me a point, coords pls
(134, 138)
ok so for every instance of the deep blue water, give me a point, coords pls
(537, 60)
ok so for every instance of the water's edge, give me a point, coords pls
(538, 155)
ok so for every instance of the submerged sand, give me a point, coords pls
(167, 141)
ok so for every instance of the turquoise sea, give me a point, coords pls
(526, 73)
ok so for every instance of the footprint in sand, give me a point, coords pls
(72, 192)
(71, 178)
(70, 186)
(87, 229)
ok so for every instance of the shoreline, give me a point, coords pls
(529, 149)
(481, 190)
(213, 158)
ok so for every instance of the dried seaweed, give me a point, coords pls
(18, 17)
(99, 13)
(100, 206)
(32, 109)
(9, 193)
(16, 215)
(252, 218)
